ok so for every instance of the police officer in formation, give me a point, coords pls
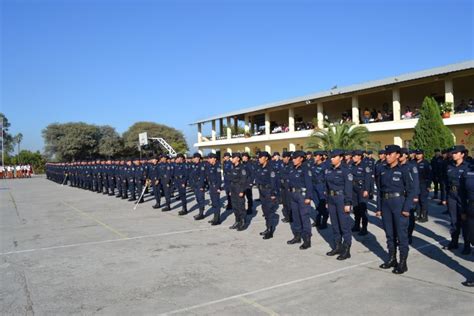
(400, 179)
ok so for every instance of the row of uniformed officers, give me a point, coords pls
(337, 182)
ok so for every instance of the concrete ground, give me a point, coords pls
(70, 251)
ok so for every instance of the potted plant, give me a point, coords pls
(446, 109)
(247, 134)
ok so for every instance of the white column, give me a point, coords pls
(397, 140)
(320, 115)
(213, 133)
(200, 152)
(247, 125)
(247, 149)
(213, 150)
(199, 132)
(292, 147)
(268, 148)
(396, 104)
(448, 91)
(229, 150)
(267, 123)
(291, 119)
(229, 129)
(355, 109)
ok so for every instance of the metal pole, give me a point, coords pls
(3, 149)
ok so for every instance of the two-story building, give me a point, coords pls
(387, 107)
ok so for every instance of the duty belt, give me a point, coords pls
(391, 195)
(335, 193)
(359, 182)
(300, 190)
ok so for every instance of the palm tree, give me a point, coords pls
(18, 139)
(345, 136)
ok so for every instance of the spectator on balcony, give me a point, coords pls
(408, 114)
(366, 116)
(387, 116)
(461, 108)
(470, 106)
(277, 129)
(379, 116)
(416, 113)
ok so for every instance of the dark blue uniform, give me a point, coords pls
(166, 175)
(284, 172)
(424, 175)
(319, 193)
(362, 175)
(238, 184)
(227, 168)
(180, 174)
(266, 179)
(214, 181)
(197, 175)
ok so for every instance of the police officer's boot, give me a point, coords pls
(317, 222)
(132, 198)
(402, 266)
(270, 232)
(364, 231)
(167, 208)
(267, 229)
(423, 216)
(157, 205)
(241, 225)
(345, 253)
(392, 261)
(142, 200)
(236, 224)
(453, 244)
(216, 220)
(306, 243)
(337, 250)
(296, 239)
(200, 215)
(467, 248)
(184, 211)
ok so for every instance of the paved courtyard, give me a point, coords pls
(70, 251)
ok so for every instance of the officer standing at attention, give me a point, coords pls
(227, 166)
(140, 177)
(268, 187)
(214, 181)
(247, 163)
(301, 189)
(318, 170)
(411, 166)
(467, 196)
(455, 170)
(360, 191)
(154, 176)
(436, 165)
(394, 201)
(339, 179)
(238, 184)
(284, 171)
(180, 181)
(197, 176)
(424, 174)
(166, 174)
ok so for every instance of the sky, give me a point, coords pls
(117, 62)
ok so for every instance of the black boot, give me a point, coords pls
(336, 251)
(345, 253)
(200, 215)
(306, 243)
(265, 231)
(269, 233)
(296, 240)
(184, 211)
(363, 231)
(167, 208)
(241, 225)
(453, 244)
(356, 227)
(423, 216)
(401, 267)
(467, 249)
(392, 261)
(236, 224)
(157, 205)
(216, 220)
(317, 222)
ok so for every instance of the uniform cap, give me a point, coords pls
(226, 154)
(212, 155)
(392, 149)
(458, 149)
(263, 154)
(197, 155)
(236, 155)
(336, 152)
(298, 153)
(357, 153)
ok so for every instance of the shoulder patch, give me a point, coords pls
(244, 172)
(350, 177)
(272, 174)
(415, 170)
(309, 173)
(367, 169)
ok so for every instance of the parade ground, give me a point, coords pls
(69, 251)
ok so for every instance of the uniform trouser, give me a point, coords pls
(229, 200)
(199, 194)
(111, 186)
(423, 198)
(166, 186)
(181, 186)
(359, 205)
(89, 183)
(100, 184)
(395, 225)
(411, 222)
(457, 225)
(286, 201)
(238, 204)
(319, 200)
(215, 200)
(269, 207)
(156, 191)
(132, 187)
(470, 221)
(442, 191)
(436, 187)
(249, 196)
(139, 187)
(95, 183)
(124, 188)
(301, 220)
(340, 220)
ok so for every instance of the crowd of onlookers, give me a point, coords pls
(16, 171)
(464, 107)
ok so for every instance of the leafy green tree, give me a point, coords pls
(35, 159)
(7, 137)
(172, 136)
(110, 142)
(345, 135)
(430, 131)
